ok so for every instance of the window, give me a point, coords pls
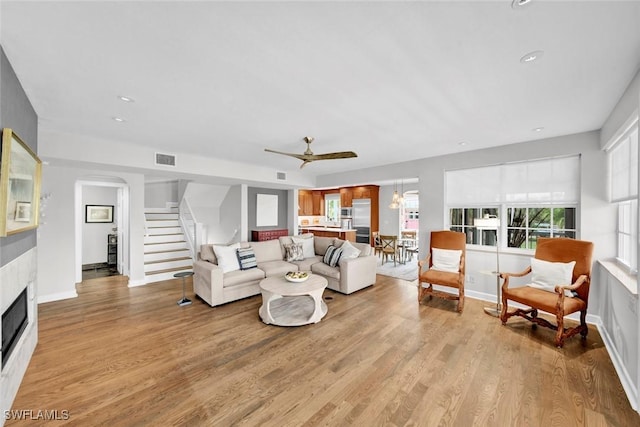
(533, 198)
(623, 190)
(332, 207)
(461, 219)
(526, 224)
(410, 211)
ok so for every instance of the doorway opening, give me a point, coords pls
(102, 227)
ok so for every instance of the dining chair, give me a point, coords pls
(390, 248)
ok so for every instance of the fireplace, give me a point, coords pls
(14, 322)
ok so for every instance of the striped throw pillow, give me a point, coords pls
(246, 258)
(332, 256)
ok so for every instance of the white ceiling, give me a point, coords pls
(392, 81)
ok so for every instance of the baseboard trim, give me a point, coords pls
(57, 297)
(136, 283)
(623, 374)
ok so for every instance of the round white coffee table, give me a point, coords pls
(286, 303)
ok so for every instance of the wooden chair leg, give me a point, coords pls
(583, 324)
(560, 332)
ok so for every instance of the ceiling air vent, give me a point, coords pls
(282, 176)
(165, 159)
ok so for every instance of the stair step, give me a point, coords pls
(164, 231)
(167, 255)
(166, 270)
(163, 238)
(164, 246)
(170, 263)
(182, 258)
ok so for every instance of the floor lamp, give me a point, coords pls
(492, 222)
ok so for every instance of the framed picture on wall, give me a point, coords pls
(20, 174)
(98, 213)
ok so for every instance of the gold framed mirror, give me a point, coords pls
(20, 175)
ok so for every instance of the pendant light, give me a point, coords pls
(395, 200)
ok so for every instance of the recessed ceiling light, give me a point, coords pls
(518, 4)
(118, 119)
(126, 98)
(538, 129)
(532, 57)
(462, 143)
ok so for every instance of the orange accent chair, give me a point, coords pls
(556, 250)
(454, 278)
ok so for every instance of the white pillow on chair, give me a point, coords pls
(546, 275)
(446, 259)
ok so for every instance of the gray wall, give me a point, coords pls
(157, 194)
(16, 113)
(283, 206)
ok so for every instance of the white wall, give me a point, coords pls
(389, 219)
(157, 194)
(94, 235)
(57, 238)
(231, 227)
(206, 201)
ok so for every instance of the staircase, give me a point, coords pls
(165, 248)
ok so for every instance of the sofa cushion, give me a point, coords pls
(321, 244)
(207, 254)
(305, 264)
(227, 258)
(307, 245)
(240, 277)
(349, 251)
(325, 270)
(276, 268)
(293, 252)
(332, 256)
(446, 259)
(269, 250)
(246, 258)
(364, 248)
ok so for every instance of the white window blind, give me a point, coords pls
(548, 181)
(623, 166)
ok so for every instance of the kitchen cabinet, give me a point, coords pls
(346, 196)
(310, 202)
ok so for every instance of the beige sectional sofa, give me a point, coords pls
(216, 287)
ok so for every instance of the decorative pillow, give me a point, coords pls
(546, 275)
(307, 245)
(227, 258)
(293, 252)
(246, 258)
(332, 256)
(446, 259)
(206, 253)
(349, 251)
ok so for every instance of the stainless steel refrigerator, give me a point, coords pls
(362, 219)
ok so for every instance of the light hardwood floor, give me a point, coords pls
(123, 357)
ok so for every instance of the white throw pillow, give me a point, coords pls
(546, 275)
(227, 258)
(349, 251)
(307, 245)
(446, 259)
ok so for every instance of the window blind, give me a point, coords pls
(623, 167)
(547, 181)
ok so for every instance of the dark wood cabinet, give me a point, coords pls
(346, 196)
(262, 235)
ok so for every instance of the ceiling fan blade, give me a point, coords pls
(297, 156)
(337, 155)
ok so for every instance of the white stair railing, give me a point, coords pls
(193, 230)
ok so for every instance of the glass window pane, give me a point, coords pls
(456, 217)
(516, 238)
(469, 215)
(539, 218)
(516, 217)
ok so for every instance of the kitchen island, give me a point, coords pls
(340, 233)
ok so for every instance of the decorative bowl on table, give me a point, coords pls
(296, 276)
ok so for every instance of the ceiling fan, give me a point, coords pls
(308, 156)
